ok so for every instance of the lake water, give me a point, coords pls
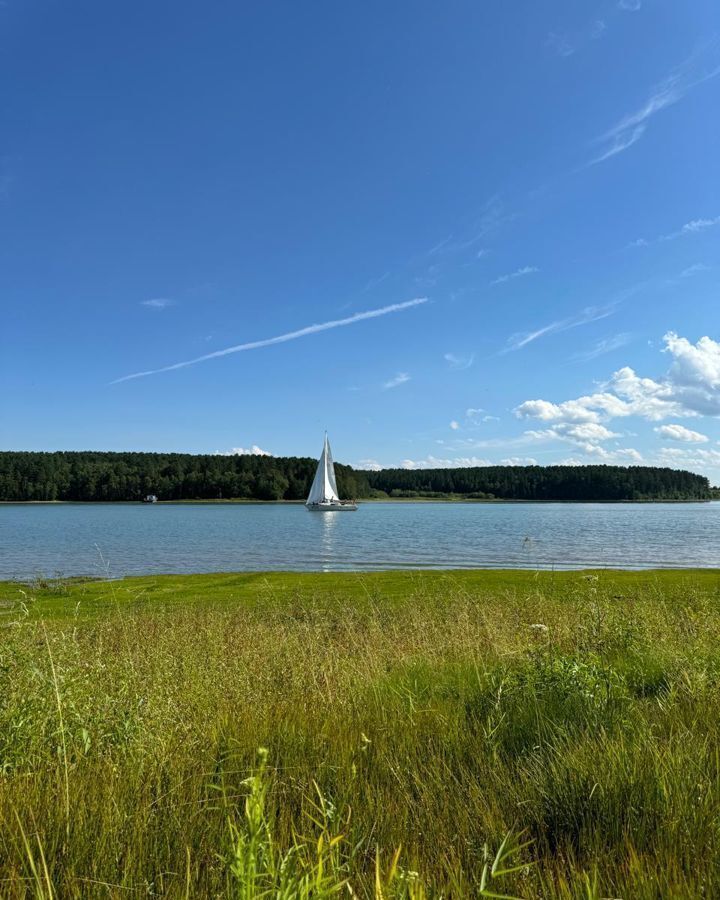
(125, 539)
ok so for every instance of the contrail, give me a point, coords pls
(281, 338)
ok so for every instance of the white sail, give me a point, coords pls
(324, 487)
(330, 469)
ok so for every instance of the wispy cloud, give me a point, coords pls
(567, 43)
(518, 273)
(491, 216)
(560, 44)
(629, 5)
(399, 379)
(694, 226)
(694, 270)
(436, 248)
(283, 338)
(589, 314)
(606, 345)
(456, 361)
(699, 67)
(375, 282)
(157, 303)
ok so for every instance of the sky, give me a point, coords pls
(457, 233)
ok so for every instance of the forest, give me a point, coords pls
(570, 483)
(107, 476)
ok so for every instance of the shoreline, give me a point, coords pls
(350, 578)
(360, 502)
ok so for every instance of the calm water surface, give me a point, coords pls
(124, 539)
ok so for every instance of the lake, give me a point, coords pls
(133, 539)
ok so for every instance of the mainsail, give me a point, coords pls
(324, 487)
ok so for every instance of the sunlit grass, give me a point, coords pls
(551, 735)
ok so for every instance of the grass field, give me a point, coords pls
(388, 735)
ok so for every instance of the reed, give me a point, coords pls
(424, 734)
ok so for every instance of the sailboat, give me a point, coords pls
(323, 496)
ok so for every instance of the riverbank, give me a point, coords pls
(428, 713)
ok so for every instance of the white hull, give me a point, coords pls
(331, 507)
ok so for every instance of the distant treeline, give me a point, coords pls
(171, 476)
(184, 476)
(587, 483)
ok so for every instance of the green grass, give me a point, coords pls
(488, 733)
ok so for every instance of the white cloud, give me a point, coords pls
(585, 435)
(645, 397)
(695, 226)
(518, 273)
(589, 438)
(432, 462)
(695, 459)
(454, 425)
(690, 388)
(569, 411)
(629, 5)
(477, 414)
(601, 347)
(623, 457)
(283, 338)
(519, 461)
(693, 270)
(628, 130)
(681, 433)
(254, 450)
(400, 378)
(158, 303)
(370, 465)
(589, 314)
(694, 364)
(586, 431)
(457, 361)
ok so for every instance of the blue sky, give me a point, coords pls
(523, 198)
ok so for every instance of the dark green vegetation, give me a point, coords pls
(426, 715)
(574, 483)
(85, 476)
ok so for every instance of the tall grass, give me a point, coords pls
(436, 735)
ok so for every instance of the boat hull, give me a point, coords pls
(331, 507)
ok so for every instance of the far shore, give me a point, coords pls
(242, 502)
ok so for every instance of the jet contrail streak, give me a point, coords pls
(282, 338)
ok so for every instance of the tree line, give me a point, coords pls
(588, 483)
(170, 476)
(106, 476)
